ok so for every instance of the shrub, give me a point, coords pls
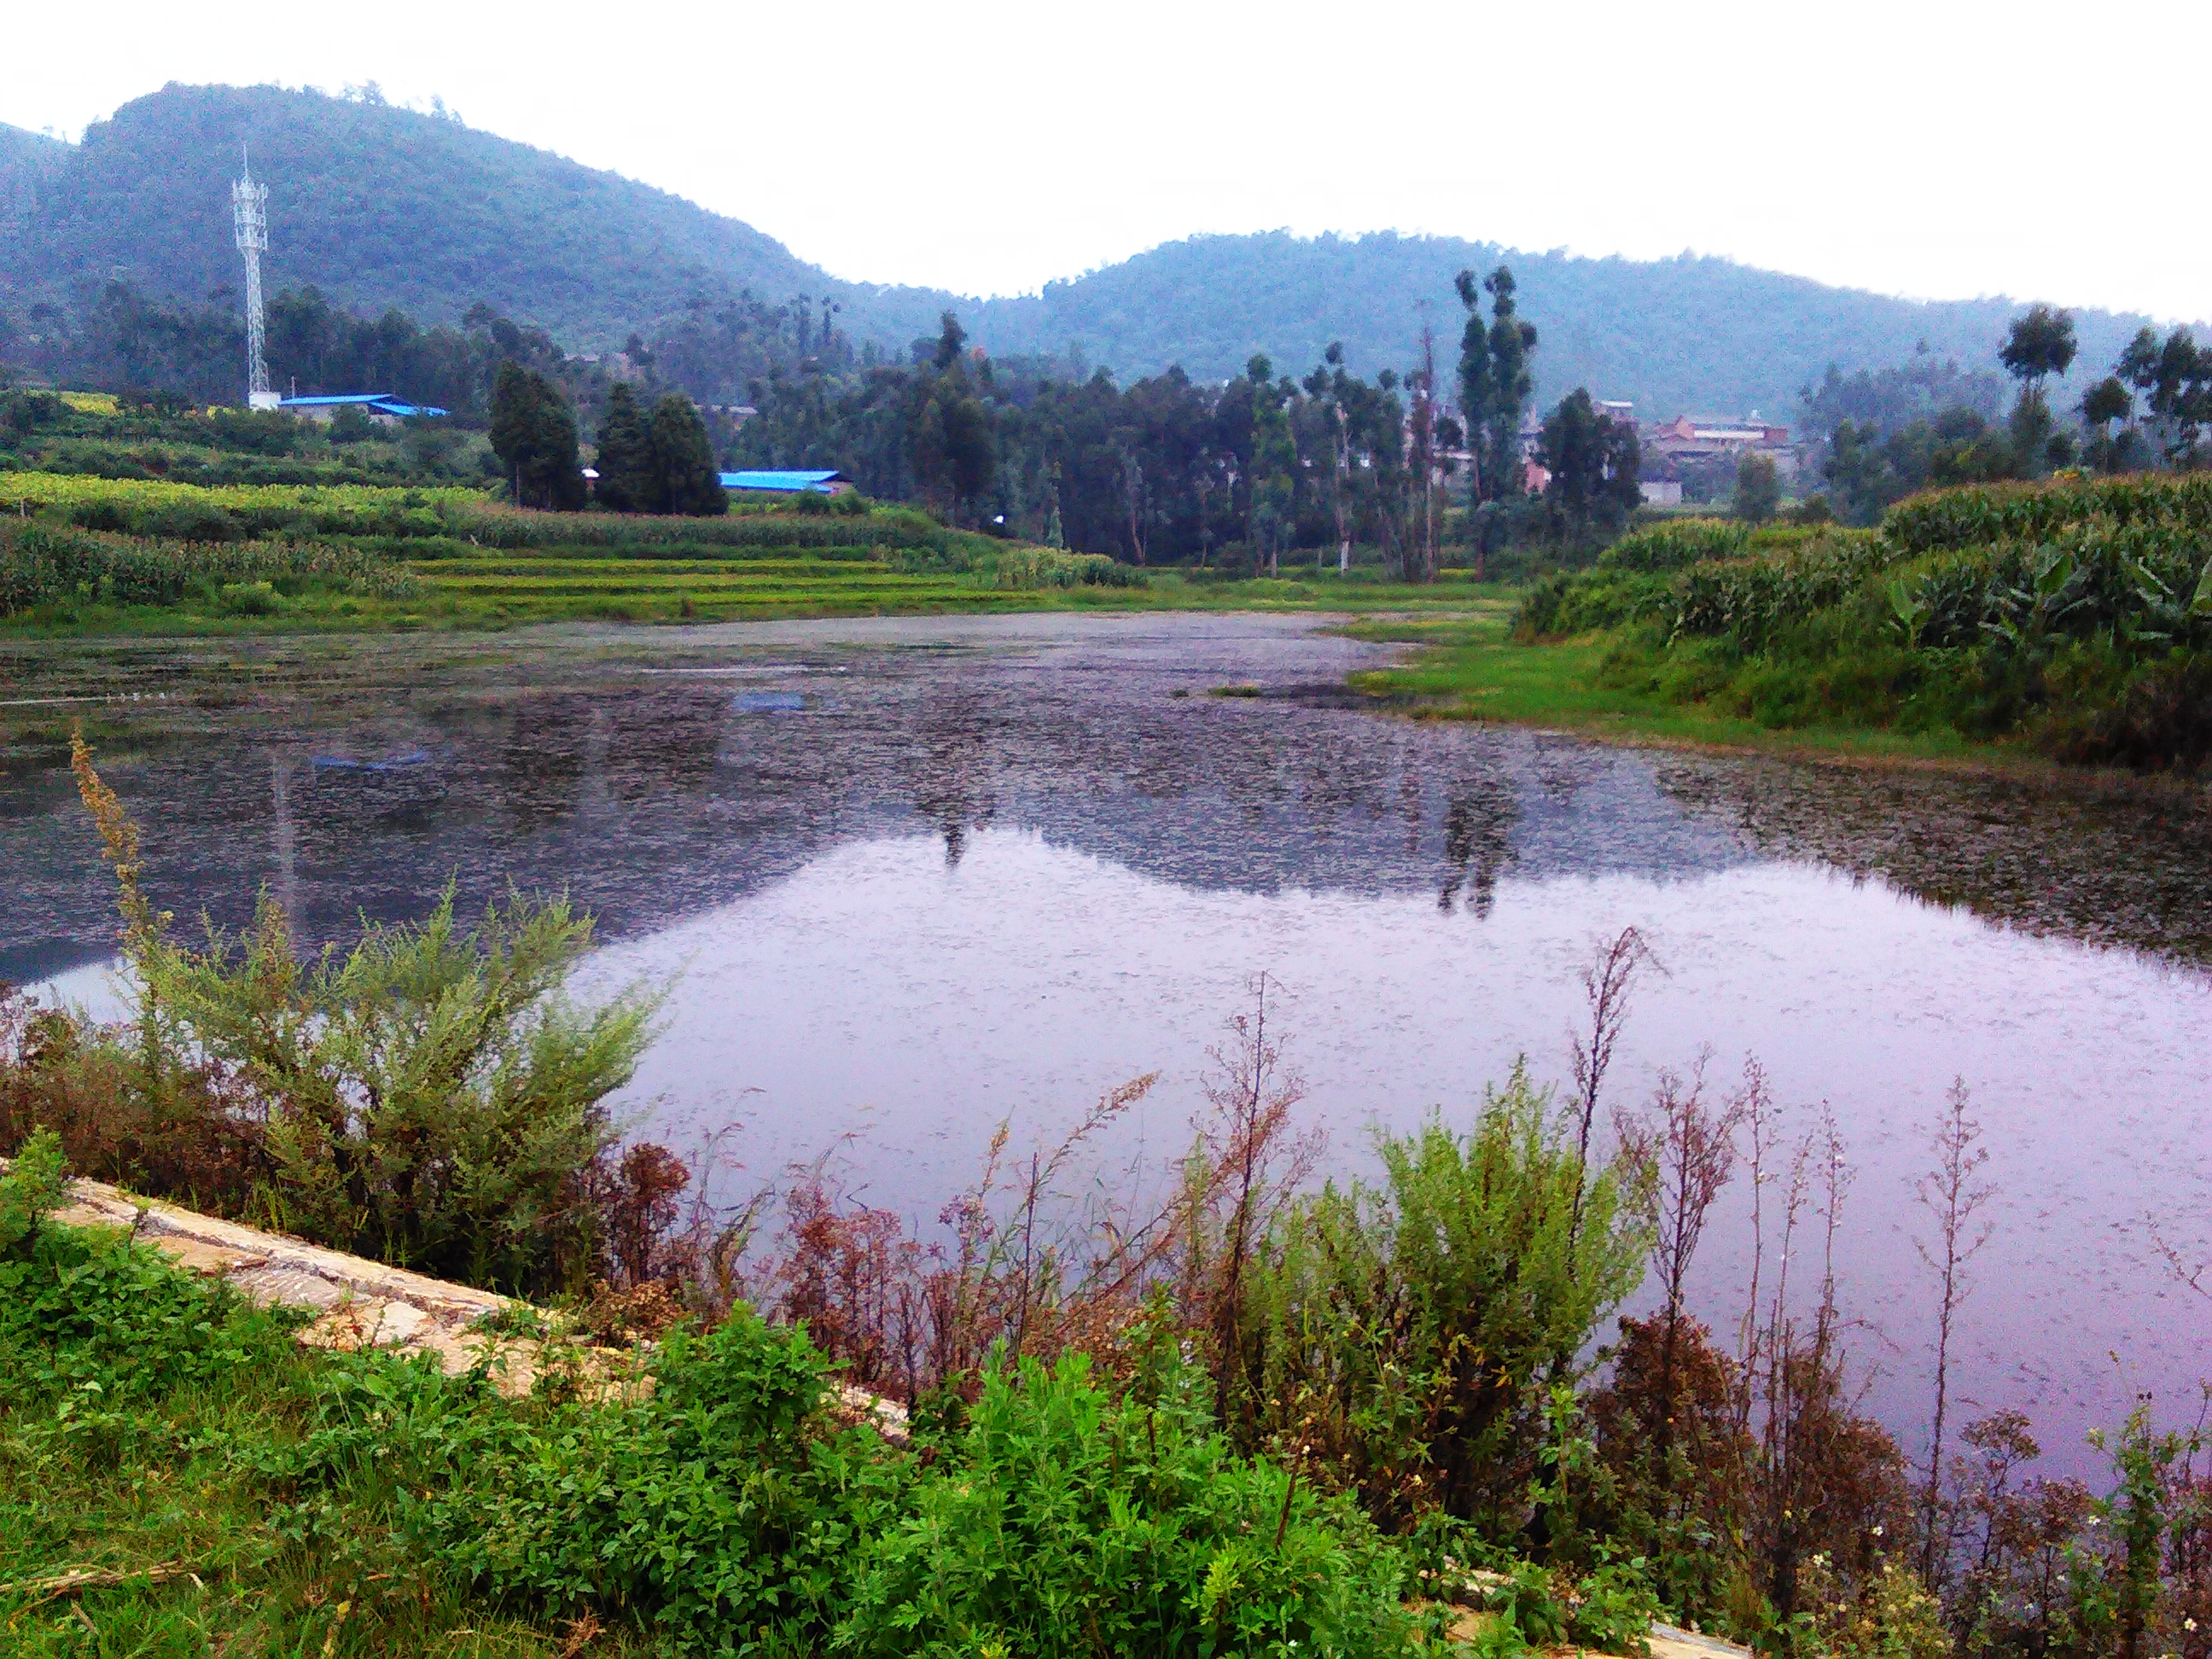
(428, 1097)
(722, 1506)
(45, 564)
(1406, 1326)
(1947, 520)
(2161, 719)
(30, 1188)
(1750, 600)
(1046, 567)
(1064, 1522)
(1603, 597)
(94, 1322)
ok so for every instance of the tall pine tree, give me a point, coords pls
(625, 458)
(533, 433)
(685, 479)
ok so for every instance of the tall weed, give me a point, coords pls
(1406, 1330)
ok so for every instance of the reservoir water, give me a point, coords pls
(912, 878)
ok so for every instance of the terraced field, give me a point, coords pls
(646, 589)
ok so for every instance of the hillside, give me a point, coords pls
(379, 206)
(1671, 334)
(27, 160)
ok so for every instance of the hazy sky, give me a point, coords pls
(1935, 148)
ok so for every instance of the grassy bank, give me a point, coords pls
(225, 1490)
(1475, 667)
(2068, 622)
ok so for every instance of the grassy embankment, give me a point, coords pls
(227, 1490)
(2002, 625)
(89, 556)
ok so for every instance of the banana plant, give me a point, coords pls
(2200, 602)
(1908, 608)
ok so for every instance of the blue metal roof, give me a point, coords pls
(783, 481)
(383, 402)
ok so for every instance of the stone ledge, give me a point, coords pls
(358, 1304)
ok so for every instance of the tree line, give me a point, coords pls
(656, 460)
(1885, 435)
(1243, 473)
(1246, 472)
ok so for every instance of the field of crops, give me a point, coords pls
(21, 492)
(2076, 614)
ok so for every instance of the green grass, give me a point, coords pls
(253, 1499)
(1471, 669)
(148, 1425)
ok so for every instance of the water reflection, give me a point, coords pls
(652, 794)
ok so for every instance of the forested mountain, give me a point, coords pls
(378, 207)
(27, 160)
(1671, 335)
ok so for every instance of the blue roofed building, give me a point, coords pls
(788, 483)
(379, 406)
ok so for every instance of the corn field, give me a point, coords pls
(43, 565)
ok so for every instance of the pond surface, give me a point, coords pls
(917, 877)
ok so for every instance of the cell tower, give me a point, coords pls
(249, 212)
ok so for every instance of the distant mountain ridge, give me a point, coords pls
(379, 206)
(1685, 334)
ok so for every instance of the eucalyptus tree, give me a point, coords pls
(1495, 384)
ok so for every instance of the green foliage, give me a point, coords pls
(2174, 377)
(1676, 545)
(32, 1188)
(686, 480)
(1022, 568)
(1894, 1616)
(724, 1510)
(1564, 604)
(2077, 613)
(42, 565)
(533, 433)
(1757, 488)
(1594, 465)
(659, 463)
(1406, 1326)
(1951, 520)
(1497, 378)
(1749, 600)
(91, 1324)
(625, 461)
(721, 1506)
(1066, 1522)
(2116, 1573)
(349, 425)
(427, 1097)
(2039, 343)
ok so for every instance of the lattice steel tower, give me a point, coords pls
(249, 212)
